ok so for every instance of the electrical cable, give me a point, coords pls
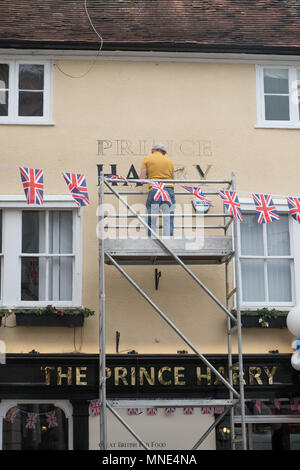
(101, 45)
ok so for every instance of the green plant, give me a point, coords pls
(4, 312)
(86, 312)
(264, 314)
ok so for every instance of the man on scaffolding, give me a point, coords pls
(158, 166)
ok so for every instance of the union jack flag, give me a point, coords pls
(151, 411)
(276, 403)
(133, 411)
(206, 410)
(51, 419)
(31, 420)
(77, 186)
(169, 411)
(294, 206)
(161, 195)
(231, 202)
(11, 415)
(33, 184)
(198, 193)
(266, 211)
(257, 404)
(294, 404)
(95, 407)
(218, 410)
(188, 411)
(117, 177)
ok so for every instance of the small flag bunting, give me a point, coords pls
(132, 411)
(161, 195)
(151, 411)
(170, 411)
(294, 207)
(95, 407)
(188, 411)
(51, 419)
(11, 415)
(196, 191)
(206, 410)
(78, 188)
(33, 185)
(231, 202)
(31, 420)
(265, 208)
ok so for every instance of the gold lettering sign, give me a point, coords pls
(150, 378)
(177, 376)
(166, 376)
(271, 374)
(120, 374)
(67, 375)
(160, 376)
(47, 370)
(80, 375)
(206, 376)
(255, 373)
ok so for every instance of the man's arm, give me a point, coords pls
(143, 174)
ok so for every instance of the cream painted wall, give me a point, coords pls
(182, 103)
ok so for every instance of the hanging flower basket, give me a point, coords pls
(51, 316)
(263, 318)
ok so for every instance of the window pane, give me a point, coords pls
(3, 103)
(60, 232)
(31, 103)
(60, 278)
(33, 232)
(276, 81)
(1, 257)
(253, 282)
(279, 237)
(277, 108)
(4, 76)
(251, 236)
(16, 436)
(0, 231)
(279, 280)
(33, 278)
(31, 77)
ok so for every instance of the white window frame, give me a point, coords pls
(12, 246)
(64, 405)
(294, 122)
(248, 206)
(13, 93)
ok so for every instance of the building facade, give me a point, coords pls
(87, 87)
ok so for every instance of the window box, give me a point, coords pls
(263, 318)
(50, 316)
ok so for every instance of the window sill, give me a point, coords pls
(276, 126)
(27, 123)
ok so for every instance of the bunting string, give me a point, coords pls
(33, 184)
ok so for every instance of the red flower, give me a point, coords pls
(58, 312)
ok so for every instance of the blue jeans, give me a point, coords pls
(166, 208)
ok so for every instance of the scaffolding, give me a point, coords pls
(156, 250)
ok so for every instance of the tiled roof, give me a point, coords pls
(162, 25)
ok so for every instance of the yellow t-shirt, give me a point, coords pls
(159, 167)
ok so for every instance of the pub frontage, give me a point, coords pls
(35, 387)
